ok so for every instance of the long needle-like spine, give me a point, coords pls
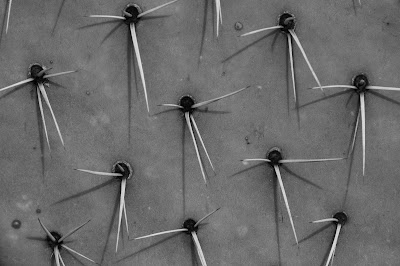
(47, 231)
(218, 98)
(99, 173)
(362, 106)
(201, 141)
(126, 219)
(8, 14)
(61, 259)
(107, 16)
(73, 231)
(257, 160)
(353, 142)
(58, 74)
(261, 30)
(198, 248)
(17, 84)
(163, 233)
(139, 61)
(309, 160)
(335, 87)
(325, 220)
(220, 11)
(121, 208)
(219, 14)
(155, 8)
(171, 105)
(57, 255)
(382, 88)
(333, 248)
(289, 39)
(205, 217)
(189, 124)
(76, 252)
(296, 39)
(278, 175)
(46, 99)
(42, 115)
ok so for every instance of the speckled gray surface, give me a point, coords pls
(341, 39)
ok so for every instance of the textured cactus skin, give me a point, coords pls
(96, 106)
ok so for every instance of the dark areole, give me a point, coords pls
(124, 168)
(274, 155)
(287, 21)
(187, 102)
(189, 224)
(134, 10)
(361, 82)
(53, 244)
(342, 218)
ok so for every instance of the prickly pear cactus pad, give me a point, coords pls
(207, 132)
